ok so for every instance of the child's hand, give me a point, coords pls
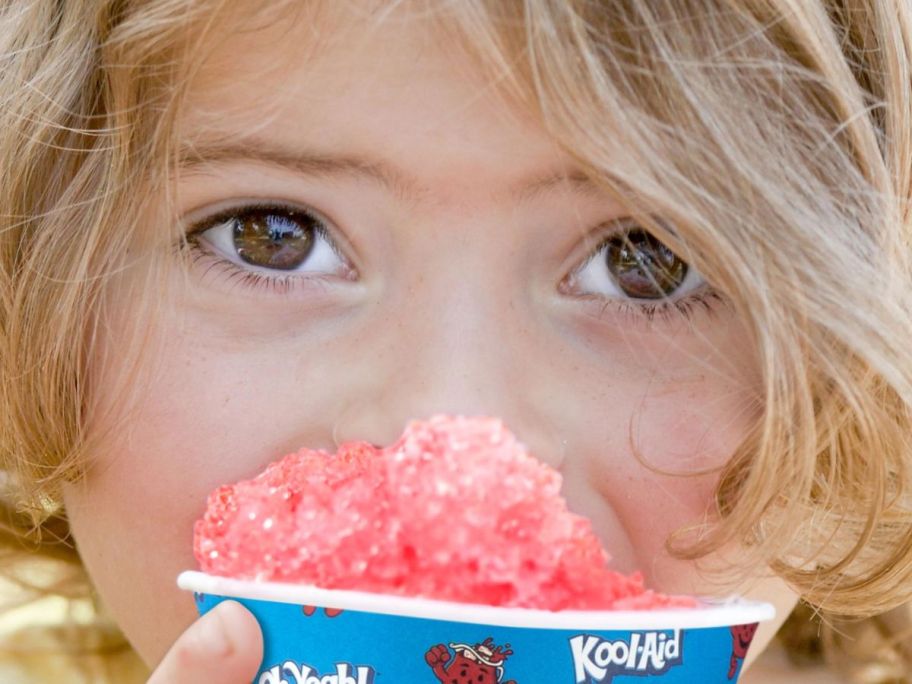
(224, 646)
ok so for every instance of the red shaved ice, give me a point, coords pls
(455, 509)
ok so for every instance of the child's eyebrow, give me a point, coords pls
(195, 157)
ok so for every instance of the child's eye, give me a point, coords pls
(279, 242)
(640, 275)
(633, 264)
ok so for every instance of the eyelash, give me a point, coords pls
(280, 285)
(704, 300)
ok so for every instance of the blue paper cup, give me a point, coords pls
(321, 636)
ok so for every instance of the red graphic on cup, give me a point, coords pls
(330, 612)
(742, 635)
(479, 664)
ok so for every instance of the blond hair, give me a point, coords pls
(775, 137)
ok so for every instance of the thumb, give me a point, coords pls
(224, 646)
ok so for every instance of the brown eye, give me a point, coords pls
(642, 266)
(273, 238)
(296, 245)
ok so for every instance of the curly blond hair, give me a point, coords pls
(774, 135)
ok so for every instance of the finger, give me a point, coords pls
(224, 646)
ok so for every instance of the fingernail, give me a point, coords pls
(216, 629)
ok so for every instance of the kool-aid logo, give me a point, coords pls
(645, 653)
(292, 673)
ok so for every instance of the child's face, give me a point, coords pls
(449, 294)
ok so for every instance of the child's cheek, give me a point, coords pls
(634, 508)
(207, 416)
(669, 415)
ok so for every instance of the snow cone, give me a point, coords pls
(448, 556)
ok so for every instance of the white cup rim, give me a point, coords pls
(713, 612)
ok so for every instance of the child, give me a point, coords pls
(667, 241)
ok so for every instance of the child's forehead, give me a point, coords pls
(327, 51)
(350, 85)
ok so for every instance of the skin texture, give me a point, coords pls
(454, 304)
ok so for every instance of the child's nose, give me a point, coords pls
(457, 352)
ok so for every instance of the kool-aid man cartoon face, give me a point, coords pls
(481, 663)
(742, 635)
